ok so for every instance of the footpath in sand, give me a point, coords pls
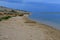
(16, 28)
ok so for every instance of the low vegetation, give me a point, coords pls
(5, 18)
(0, 19)
(6, 13)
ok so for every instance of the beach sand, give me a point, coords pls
(17, 28)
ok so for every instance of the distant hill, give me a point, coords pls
(4, 11)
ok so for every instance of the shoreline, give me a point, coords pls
(49, 23)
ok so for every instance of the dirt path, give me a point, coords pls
(16, 29)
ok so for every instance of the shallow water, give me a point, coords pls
(40, 12)
(49, 19)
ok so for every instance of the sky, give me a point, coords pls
(46, 1)
(44, 5)
(14, 1)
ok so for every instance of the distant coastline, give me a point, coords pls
(11, 12)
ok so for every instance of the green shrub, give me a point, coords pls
(0, 19)
(5, 18)
(13, 11)
(1, 11)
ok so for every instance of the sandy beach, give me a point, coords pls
(17, 28)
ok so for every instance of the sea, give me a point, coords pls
(41, 12)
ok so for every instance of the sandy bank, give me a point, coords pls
(17, 28)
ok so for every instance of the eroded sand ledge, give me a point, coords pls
(19, 28)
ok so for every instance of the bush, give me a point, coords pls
(13, 11)
(5, 18)
(0, 19)
(1, 11)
